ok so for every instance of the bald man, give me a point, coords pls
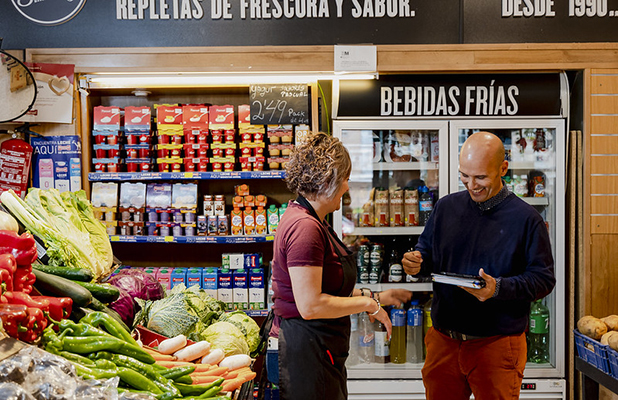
(477, 344)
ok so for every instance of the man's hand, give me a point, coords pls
(395, 297)
(411, 262)
(485, 293)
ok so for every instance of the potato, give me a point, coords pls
(606, 336)
(592, 327)
(611, 321)
(613, 342)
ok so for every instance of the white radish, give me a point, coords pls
(193, 351)
(214, 357)
(236, 361)
(169, 346)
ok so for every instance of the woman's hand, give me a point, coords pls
(394, 297)
(382, 316)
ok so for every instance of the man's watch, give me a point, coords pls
(498, 281)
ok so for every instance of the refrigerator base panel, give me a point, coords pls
(532, 389)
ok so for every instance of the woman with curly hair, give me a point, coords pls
(314, 276)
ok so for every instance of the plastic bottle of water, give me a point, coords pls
(414, 334)
(366, 339)
(539, 333)
(353, 357)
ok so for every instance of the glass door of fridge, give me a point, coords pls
(399, 170)
(535, 150)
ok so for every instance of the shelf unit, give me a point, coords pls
(192, 239)
(163, 176)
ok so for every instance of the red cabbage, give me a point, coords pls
(125, 306)
(138, 283)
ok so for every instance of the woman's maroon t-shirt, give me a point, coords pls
(301, 241)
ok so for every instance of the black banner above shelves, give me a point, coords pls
(162, 23)
(279, 104)
(466, 95)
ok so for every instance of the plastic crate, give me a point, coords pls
(593, 352)
(612, 358)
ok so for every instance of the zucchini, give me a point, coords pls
(61, 287)
(74, 274)
(104, 292)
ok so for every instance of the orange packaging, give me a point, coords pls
(236, 217)
(260, 220)
(249, 220)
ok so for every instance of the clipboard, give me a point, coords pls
(470, 281)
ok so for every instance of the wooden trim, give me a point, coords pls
(391, 58)
(585, 270)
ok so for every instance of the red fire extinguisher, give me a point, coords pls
(15, 160)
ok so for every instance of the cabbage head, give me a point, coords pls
(247, 326)
(227, 337)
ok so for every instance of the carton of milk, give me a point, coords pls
(179, 275)
(210, 281)
(256, 289)
(241, 290)
(225, 288)
(194, 277)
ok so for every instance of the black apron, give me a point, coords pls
(312, 353)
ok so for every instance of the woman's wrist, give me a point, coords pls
(376, 311)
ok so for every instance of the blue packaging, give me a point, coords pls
(194, 277)
(179, 275)
(225, 288)
(256, 289)
(240, 290)
(210, 281)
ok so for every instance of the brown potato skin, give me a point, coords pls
(611, 321)
(592, 327)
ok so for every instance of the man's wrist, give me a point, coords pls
(497, 289)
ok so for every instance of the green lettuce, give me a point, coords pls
(227, 337)
(247, 326)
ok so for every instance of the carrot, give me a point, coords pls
(201, 379)
(244, 371)
(217, 371)
(230, 375)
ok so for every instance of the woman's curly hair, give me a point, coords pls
(318, 166)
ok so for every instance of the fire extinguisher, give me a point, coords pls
(15, 161)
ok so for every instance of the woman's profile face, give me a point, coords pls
(336, 200)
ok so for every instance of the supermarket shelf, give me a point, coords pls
(191, 239)
(404, 166)
(156, 176)
(405, 230)
(536, 201)
(413, 286)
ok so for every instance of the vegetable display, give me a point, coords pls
(66, 224)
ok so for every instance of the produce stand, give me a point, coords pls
(592, 378)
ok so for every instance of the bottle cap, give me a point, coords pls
(414, 302)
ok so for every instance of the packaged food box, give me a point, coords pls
(195, 164)
(137, 119)
(221, 117)
(132, 194)
(106, 118)
(104, 194)
(184, 195)
(159, 195)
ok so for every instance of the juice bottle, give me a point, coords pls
(427, 319)
(273, 219)
(398, 338)
(261, 224)
(236, 217)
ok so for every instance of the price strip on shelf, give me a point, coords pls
(279, 104)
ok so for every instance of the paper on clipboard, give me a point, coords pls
(473, 282)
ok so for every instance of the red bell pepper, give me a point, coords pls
(59, 307)
(14, 319)
(23, 278)
(8, 262)
(6, 282)
(25, 299)
(22, 247)
(36, 323)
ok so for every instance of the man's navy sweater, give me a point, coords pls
(509, 241)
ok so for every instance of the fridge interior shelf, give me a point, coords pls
(155, 176)
(404, 230)
(192, 239)
(405, 166)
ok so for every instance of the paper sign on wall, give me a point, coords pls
(54, 101)
(56, 162)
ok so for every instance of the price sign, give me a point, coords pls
(279, 104)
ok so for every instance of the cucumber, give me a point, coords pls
(103, 292)
(74, 274)
(61, 287)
